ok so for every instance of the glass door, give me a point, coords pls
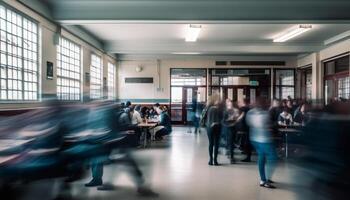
(176, 104)
(194, 101)
(188, 90)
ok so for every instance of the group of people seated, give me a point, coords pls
(134, 115)
(288, 112)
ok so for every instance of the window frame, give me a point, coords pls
(34, 85)
(334, 77)
(280, 86)
(93, 77)
(69, 65)
(113, 96)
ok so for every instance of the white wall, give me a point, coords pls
(148, 93)
(48, 52)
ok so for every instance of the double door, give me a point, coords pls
(186, 102)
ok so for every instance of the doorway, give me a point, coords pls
(240, 84)
(188, 93)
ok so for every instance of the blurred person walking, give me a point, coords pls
(261, 138)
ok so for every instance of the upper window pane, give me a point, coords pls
(111, 81)
(68, 71)
(284, 77)
(96, 77)
(18, 57)
(188, 77)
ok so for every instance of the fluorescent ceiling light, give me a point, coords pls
(186, 53)
(192, 33)
(300, 29)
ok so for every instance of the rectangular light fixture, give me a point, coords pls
(192, 33)
(300, 29)
(186, 53)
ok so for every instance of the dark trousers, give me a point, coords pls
(97, 171)
(231, 140)
(247, 146)
(214, 141)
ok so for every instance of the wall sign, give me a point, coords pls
(139, 80)
(87, 78)
(49, 70)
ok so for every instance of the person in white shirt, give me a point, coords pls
(285, 118)
(136, 117)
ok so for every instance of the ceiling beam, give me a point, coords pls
(200, 10)
(210, 49)
(337, 38)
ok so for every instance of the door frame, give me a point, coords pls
(182, 122)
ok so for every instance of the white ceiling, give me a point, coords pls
(210, 32)
(168, 38)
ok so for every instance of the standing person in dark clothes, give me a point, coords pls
(196, 115)
(243, 127)
(213, 125)
(231, 115)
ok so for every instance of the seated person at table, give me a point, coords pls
(152, 113)
(300, 115)
(125, 121)
(144, 111)
(285, 118)
(128, 104)
(164, 125)
(136, 117)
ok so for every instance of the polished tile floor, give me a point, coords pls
(178, 169)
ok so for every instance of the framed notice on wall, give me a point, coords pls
(139, 80)
(49, 70)
(87, 78)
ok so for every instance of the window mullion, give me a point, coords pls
(23, 91)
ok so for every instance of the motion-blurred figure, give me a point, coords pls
(259, 123)
(244, 129)
(231, 116)
(324, 162)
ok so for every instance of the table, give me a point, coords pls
(288, 130)
(144, 127)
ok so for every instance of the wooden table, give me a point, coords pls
(144, 127)
(288, 130)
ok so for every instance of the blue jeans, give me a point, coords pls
(267, 158)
